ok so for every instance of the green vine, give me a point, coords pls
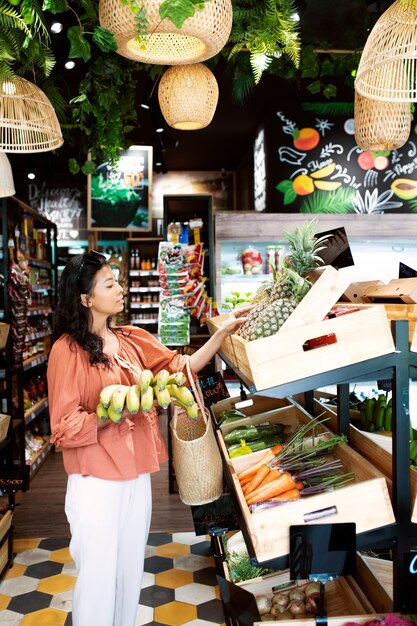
(264, 38)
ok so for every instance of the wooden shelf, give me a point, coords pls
(34, 361)
(39, 458)
(35, 410)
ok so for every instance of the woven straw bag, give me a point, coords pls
(195, 454)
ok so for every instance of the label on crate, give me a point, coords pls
(214, 388)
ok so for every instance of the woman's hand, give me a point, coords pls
(235, 319)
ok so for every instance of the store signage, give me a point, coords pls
(214, 388)
(65, 206)
(408, 583)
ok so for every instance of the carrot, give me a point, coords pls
(259, 476)
(273, 474)
(272, 489)
(249, 472)
(291, 494)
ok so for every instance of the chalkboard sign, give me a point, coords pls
(65, 206)
(218, 514)
(406, 272)
(214, 388)
(409, 583)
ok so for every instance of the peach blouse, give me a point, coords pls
(118, 451)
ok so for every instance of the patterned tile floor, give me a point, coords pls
(179, 585)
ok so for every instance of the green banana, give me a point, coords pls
(413, 451)
(102, 413)
(106, 394)
(113, 415)
(161, 379)
(118, 398)
(369, 409)
(133, 399)
(388, 419)
(379, 417)
(147, 397)
(183, 394)
(178, 378)
(162, 396)
(146, 379)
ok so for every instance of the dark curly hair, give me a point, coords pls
(72, 317)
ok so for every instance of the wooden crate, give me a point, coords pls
(5, 523)
(344, 596)
(355, 291)
(281, 359)
(375, 447)
(365, 501)
(396, 291)
(254, 405)
(394, 311)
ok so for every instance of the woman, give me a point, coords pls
(108, 500)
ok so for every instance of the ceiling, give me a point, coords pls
(341, 24)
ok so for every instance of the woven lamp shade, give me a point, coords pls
(381, 125)
(387, 69)
(188, 96)
(6, 177)
(28, 122)
(200, 37)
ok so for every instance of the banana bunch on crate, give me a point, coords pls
(376, 414)
(165, 388)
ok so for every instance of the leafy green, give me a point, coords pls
(104, 39)
(244, 570)
(338, 201)
(80, 47)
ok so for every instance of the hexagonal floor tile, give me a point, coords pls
(54, 543)
(30, 557)
(188, 538)
(194, 593)
(4, 602)
(155, 596)
(175, 613)
(30, 602)
(46, 617)
(70, 569)
(61, 556)
(150, 551)
(206, 576)
(193, 562)
(44, 569)
(62, 601)
(173, 578)
(22, 544)
(203, 548)
(157, 539)
(14, 571)
(211, 611)
(56, 584)
(9, 618)
(155, 564)
(172, 550)
(148, 579)
(143, 616)
(19, 585)
(201, 622)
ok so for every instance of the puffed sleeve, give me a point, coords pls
(153, 354)
(71, 425)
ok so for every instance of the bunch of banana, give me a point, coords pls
(376, 414)
(165, 388)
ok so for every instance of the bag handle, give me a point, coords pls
(196, 390)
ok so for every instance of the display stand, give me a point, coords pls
(398, 367)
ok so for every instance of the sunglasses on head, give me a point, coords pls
(90, 258)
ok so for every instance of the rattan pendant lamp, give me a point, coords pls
(6, 177)
(381, 125)
(200, 37)
(387, 69)
(188, 96)
(28, 122)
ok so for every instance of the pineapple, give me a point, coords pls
(277, 299)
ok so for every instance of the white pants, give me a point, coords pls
(109, 523)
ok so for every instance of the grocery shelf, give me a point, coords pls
(38, 335)
(145, 321)
(34, 361)
(145, 305)
(137, 273)
(39, 458)
(35, 410)
(44, 310)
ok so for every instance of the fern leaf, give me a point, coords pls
(259, 63)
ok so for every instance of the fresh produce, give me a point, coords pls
(236, 299)
(240, 565)
(376, 414)
(277, 299)
(251, 433)
(300, 601)
(230, 415)
(295, 471)
(244, 447)
(164, 388)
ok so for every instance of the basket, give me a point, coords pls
(4, 425)
(195, 454)
(381, 125)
